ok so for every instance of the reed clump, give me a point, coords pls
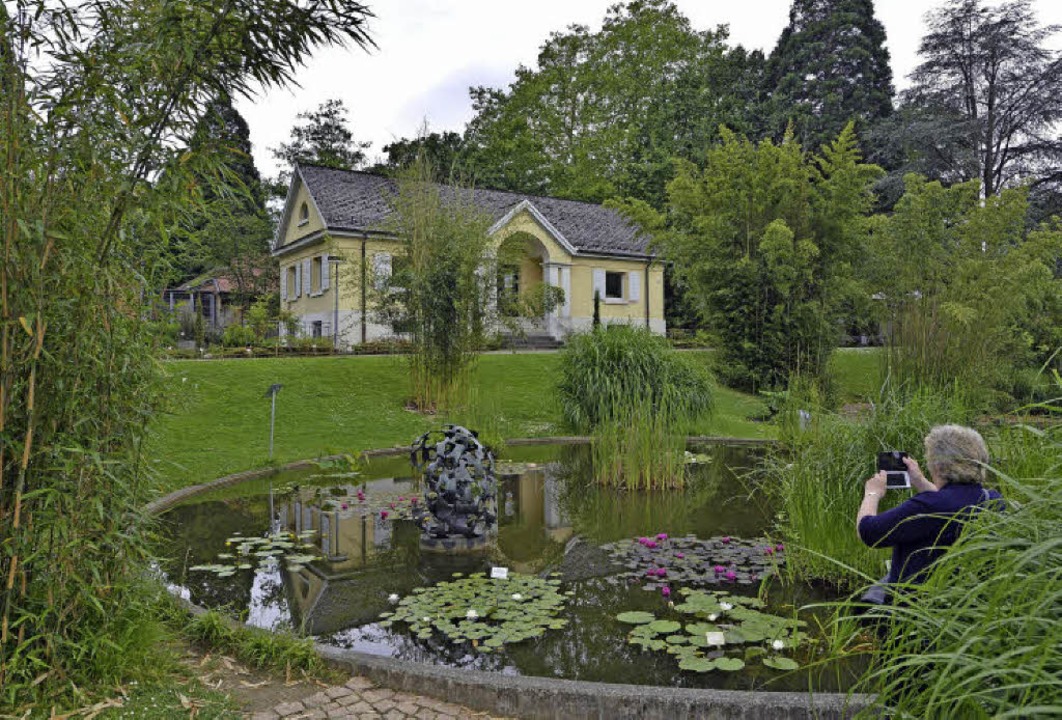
(638, 398)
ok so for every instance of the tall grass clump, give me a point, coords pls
(638, 398)
(817, 474)
(982, 636)
(97, 103)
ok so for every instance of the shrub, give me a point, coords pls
(637, 397)
(238, 336)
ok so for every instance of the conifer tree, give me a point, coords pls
(830, 66)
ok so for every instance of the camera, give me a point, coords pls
(896, 475)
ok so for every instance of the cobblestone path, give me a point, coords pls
(362, 700)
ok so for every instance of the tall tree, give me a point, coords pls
(830, 66)
(443, 152)
(604, 113)
(323, 138)
(229, 228)
(986, 101)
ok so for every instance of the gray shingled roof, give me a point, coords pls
(360, 202)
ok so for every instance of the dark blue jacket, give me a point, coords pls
(920, 529)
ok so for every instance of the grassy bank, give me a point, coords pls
(219, 422)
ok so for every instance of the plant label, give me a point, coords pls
(499, 573)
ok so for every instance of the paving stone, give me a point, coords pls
(349, 699)
(395, 714)
(378, 694)
(289, 708)
(316, 700)
(383, 706)
(265, 715)
(337, 691)
(409, 707)
(315, 714)
(360, 683)
(360, 708)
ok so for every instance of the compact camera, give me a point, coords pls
(896, 475)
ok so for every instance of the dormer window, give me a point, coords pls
(304, 214)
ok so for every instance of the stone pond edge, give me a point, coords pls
(548, 698)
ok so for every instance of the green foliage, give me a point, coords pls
(487, 612)
(324, 139)
(638, 397)
(722, 623)
(982, 634)
(272, 649)
(970, 294)
(238, 336)
(603, 113)
(817, 479)
(97, 166)
(764, 239)
(830, 67)
(440, 292)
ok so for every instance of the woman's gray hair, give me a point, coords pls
(956, 454)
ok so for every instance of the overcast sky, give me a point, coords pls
(431, 51)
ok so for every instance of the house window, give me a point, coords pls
(614, 286)
(317, 328)
(304, 214)
(293, 281)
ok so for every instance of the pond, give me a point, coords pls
(328, 552)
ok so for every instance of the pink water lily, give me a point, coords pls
(665, 591)
(719, 569)
(768, 550)
(661, 572)
(344, 506)
(651, 545)
(662, 536)
(383, 514)
(779, 547)
(730, 575)
(643, 541)
(679, 555)
(726, 539)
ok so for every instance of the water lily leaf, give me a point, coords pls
(696, 664)
(677, 639)
(781, 663)
(729, 664)
(636, 617)
(662, 627)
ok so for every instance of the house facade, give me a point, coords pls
(332, 243)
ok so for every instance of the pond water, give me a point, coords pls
(343, 546)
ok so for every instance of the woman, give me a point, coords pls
(920, 529)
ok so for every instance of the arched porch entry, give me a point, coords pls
(525, 270)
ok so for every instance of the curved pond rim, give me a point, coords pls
(161, 505)
(540, 697)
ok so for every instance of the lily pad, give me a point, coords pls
(781, 663)
(662, 627)
(729, 664)
(635, 617)
(697, 664)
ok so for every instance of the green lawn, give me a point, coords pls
(857, 373)
(220, 420)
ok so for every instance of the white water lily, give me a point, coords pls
(517, 596)
(713, 617)
(726, 606)
(425, 619)
(472, 614)
(715, 638)
(393, 598)
(777, 644)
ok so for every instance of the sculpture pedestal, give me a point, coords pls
(456, 545)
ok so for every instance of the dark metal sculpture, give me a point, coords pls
(460, 494)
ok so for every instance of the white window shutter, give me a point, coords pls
(298, 279)
(381, 269)
(599, 283)
(283, 284)
(307, 283)
(634, 286)
(324, 272)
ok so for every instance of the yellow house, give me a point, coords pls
(332, 242)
